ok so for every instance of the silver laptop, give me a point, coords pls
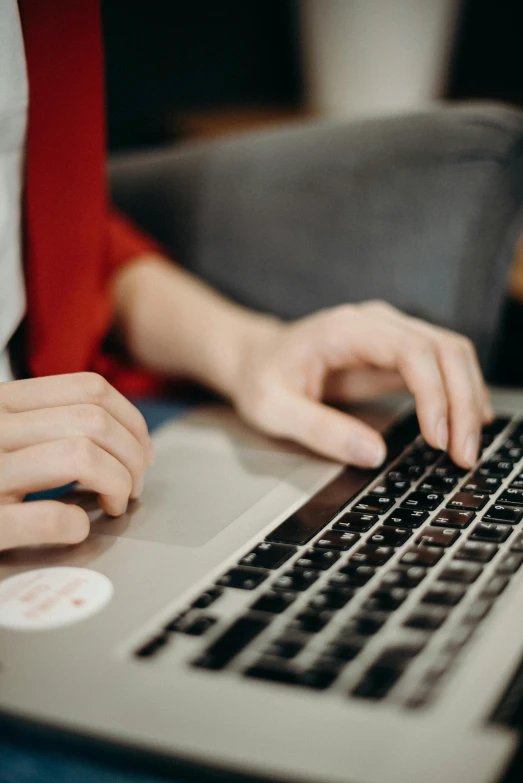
(267, 613)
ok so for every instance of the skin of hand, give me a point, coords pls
(58, 430)
(357, 352)
(281, 376)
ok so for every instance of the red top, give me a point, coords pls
(73, 242)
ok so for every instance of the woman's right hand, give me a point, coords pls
(61, 429)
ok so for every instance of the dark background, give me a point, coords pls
(170, 56)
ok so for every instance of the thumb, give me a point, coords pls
(330, 432)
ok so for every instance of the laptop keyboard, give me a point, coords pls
(357, 590)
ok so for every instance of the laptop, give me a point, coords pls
(266, 613)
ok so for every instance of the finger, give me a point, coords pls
(326, 431)
(466, 404)
(42, 522)
(21, 430)
(361, 384)
(60, 462)
(348, 336)
(58, 390)
(466, 392)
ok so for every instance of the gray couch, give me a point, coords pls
(420, 210)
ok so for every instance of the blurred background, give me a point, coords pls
(181, 69)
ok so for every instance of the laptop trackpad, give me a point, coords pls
(205, 476)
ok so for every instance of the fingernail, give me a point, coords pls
(369, 454)
(471, 449)
(442, 434)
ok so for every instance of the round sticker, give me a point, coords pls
(52, 597)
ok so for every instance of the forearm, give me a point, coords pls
(175, 324)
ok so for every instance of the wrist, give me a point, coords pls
(226, 356)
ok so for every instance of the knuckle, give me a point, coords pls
(95, 387)
(416, 346)
(81, 451)
(93, 420)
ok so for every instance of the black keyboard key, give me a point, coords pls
(444, 594)
(423, 556)
(311, 620)
(152, 646)
(332, 598)
(450, 470)
(483, 484)
(243, 578)
(354, 574)
(232, 642)
(321, 675)
(286, 647)
(425, 501)
(497, 425)
(297, 579)
(517, 544)
(267, 555)
(452, 518)
(346, 650)
(509, 563)
(357, 523)
(207, 598)
(389, 536)
(517, 483)
(437, 536)
(512, 497)
(365, 624)
(274, 670)
(460, 571)
(384, 673)
(406, 517)
(394, 489)
(511, 453)
(177, 623)
(435, 483)
(424, 454)
(490, 531)
(501, 456)
(372, 555)
(386, 599)
(469, 500)
(374, 504)
(494, 586)
(510, 515)
(427, 618)
(404, 577)
(497, 468)
(337, 539)
(476, 551)
(317, 558)
(199, 626)
(274, 602)
(409, 468)
(377, 682)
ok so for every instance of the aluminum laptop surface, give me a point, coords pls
(215, 493)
